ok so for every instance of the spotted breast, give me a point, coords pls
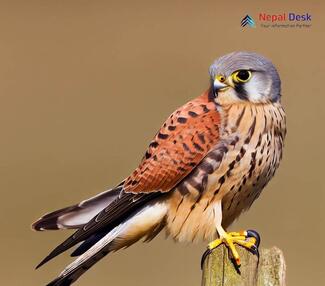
(235, 171)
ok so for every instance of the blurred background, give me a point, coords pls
(84, 86)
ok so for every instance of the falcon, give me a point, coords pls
(207, 164)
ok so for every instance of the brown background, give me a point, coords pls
(84, 85)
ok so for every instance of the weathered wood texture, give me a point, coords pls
(219, 271)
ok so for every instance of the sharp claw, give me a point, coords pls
(235, 261)
(236, 266)
(258, 255)
(253, 233)
(254, 250)
(204, 256)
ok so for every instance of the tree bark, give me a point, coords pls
(218, 270)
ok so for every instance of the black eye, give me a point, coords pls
(242, 75)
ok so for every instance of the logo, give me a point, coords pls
(283, 17)
(248, 20)
(278, 20)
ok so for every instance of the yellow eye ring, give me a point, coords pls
(242, 76)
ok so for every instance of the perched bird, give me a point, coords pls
(206, 165)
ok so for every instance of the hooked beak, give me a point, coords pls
(217, 85)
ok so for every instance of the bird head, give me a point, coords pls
(244, 76)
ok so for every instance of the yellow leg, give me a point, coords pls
(248, 239)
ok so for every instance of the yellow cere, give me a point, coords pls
(220, 78)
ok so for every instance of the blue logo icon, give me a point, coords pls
(248, 20)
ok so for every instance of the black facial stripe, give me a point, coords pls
(211, 95)
(241, 91)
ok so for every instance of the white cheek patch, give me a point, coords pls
(257, 88)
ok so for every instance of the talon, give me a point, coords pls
(255, 251)
(238, 262)
(249, 239)
(204, 256)
(236, 266)
(253, 233)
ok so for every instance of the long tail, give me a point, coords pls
(77, 215)
(145, 223)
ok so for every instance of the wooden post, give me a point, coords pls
(218, 270)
